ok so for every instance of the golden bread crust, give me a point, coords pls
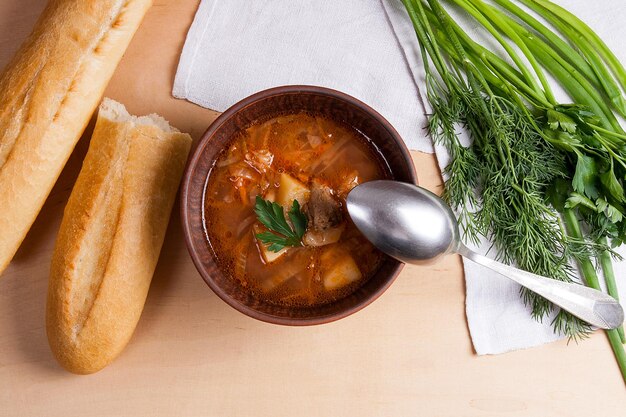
(110, 238)
(47, 96)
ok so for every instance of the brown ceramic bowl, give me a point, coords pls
(265, 104)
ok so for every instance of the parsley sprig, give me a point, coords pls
(280, 234)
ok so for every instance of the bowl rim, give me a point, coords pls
(198, 151)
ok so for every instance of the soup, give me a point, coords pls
(296, 170)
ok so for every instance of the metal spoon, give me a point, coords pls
(415, 226)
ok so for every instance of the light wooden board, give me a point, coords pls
(407, 354)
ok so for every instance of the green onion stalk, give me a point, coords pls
(543, 180)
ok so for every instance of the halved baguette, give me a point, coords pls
(48, 93)
(111, 235)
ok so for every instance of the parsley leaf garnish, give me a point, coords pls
(280, 233)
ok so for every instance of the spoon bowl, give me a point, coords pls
(418, 226)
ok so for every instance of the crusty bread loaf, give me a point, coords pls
(47, 96)
(111, 235)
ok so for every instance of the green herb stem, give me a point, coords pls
(564, 49)
(424, 38)
(611, 90)
(602, 48)
(535, 49)
(618, 350)
(573, 228)
(609, 279)
(590, 52)
(611, 133)
(503, 25)
(591, 279)
(506, 74)
(574, 83)
(569, 77)
(480, 18)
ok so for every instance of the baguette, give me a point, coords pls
(111, 235)
(48, 94)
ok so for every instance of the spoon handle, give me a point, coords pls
(593, 306)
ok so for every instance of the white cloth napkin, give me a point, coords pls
(238, 47)
(368, 49)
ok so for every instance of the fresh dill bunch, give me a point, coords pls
(517, 167)
(505, 172)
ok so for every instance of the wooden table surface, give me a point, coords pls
(409, 353)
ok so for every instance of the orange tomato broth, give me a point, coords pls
(308, 148)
